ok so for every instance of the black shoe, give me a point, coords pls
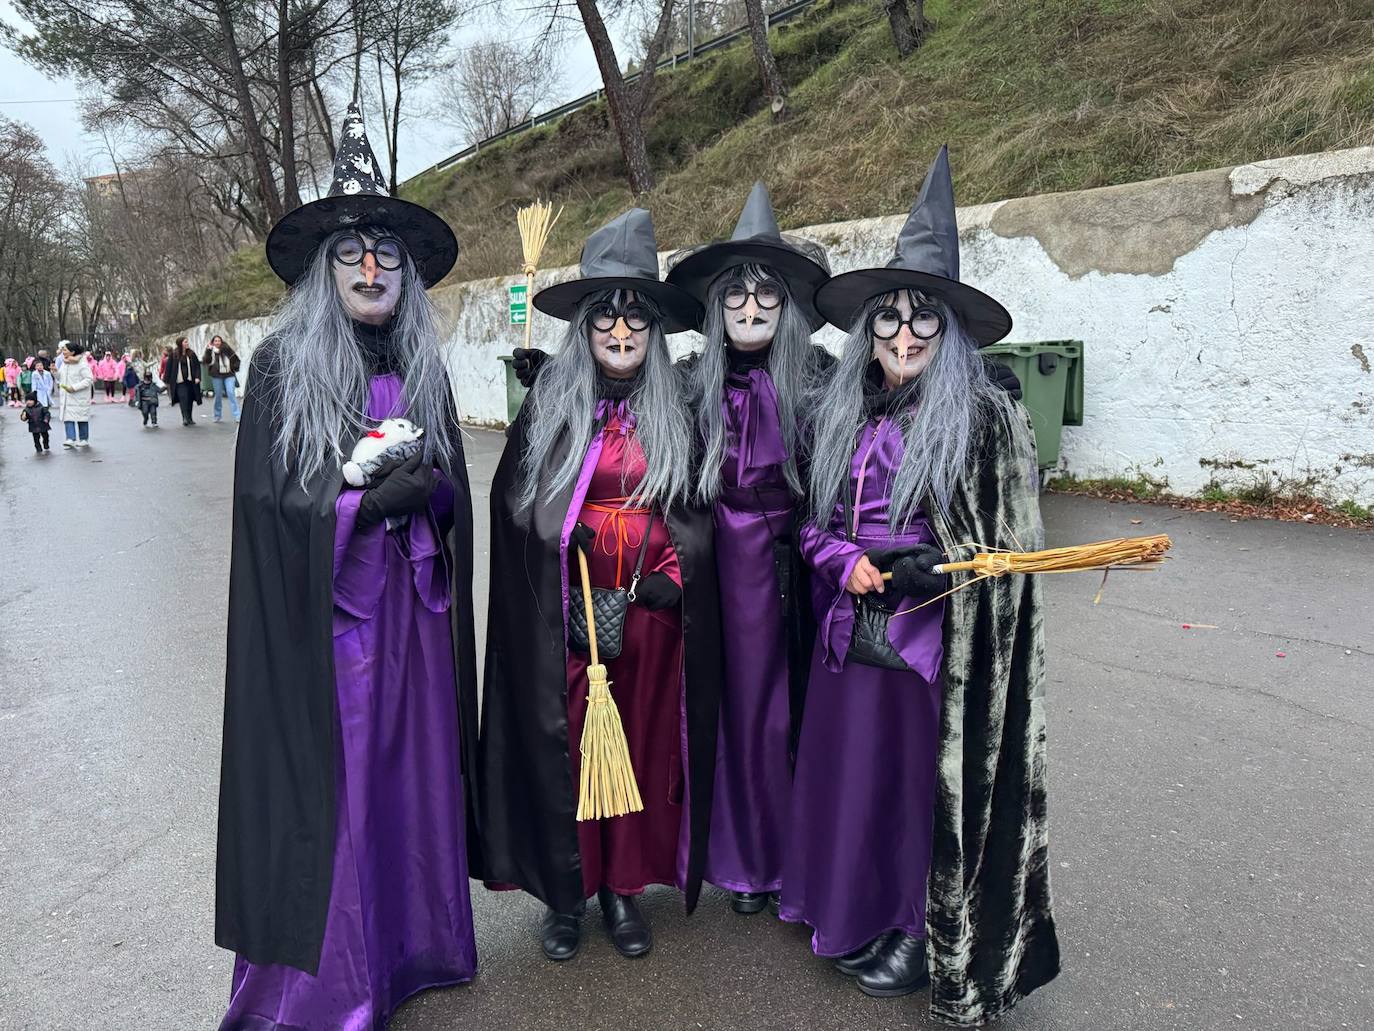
(852, 964)
(899, 970)
(629, 933)
(561, 935)
(749, 902)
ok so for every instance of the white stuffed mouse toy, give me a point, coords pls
(392, 439)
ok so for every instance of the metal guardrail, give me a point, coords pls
(671, 61)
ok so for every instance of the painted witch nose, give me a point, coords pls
(369, 267)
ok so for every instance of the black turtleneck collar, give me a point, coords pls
(376, 345)
(879, 398)
(610, 389)
(741, 362)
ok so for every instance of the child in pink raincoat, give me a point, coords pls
(12, 383)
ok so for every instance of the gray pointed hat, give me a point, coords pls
(358, 197)
(926, 259)
(756, 240)
(622, 255)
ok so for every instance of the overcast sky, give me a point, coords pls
(50, 105)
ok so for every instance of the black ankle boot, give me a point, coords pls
(900, 969)
(629, 933)
(852, 964)
(749, 902)
(561, 935)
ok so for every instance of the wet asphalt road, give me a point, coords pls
(1212, 823)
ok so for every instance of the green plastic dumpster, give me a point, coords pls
(515, 393)
(1051, 375)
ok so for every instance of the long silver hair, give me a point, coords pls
(320, 384)
(788, 365)
(956, 401)
(563, 407)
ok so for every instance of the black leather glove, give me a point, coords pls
(912, 576)
(527, 363)
(657, 591)
(402, 489)
(582, 536)
(884, 559)
(1004, 378)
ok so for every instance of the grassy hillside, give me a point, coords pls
(1032, 97)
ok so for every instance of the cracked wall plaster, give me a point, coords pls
(1228, 313)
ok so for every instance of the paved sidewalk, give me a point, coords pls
(1210, 801)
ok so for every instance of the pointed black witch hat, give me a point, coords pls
(926, 259)
(358, 197)
(622, 255)
(757, 240)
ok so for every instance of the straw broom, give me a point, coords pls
(1118, 553)
(535, 225)
(608, 786)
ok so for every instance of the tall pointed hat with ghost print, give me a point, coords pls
(358, 198)
(926, 259)
(757, 240)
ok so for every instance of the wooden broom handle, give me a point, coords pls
(587, 601)
(529, 306)
(947, 567)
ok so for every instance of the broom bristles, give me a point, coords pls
(535, 225)
(607, 784)
(1120, 551)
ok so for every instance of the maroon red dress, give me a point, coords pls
(627, 853)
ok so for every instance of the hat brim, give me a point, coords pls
(681, 311)
(699, 269)
(299, 233)
(842, 298)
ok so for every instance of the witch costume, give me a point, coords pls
(765, 617)
(341, 879)
(919, 835)
(666, 677)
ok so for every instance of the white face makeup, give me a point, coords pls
(619, 335)
(903, 353)
(368, 292)
(751, 308)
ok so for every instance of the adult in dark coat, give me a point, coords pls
(919, 835)
(350, 693)
(182, 376)
(599, 458)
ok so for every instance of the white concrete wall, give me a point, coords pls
(1227, 317)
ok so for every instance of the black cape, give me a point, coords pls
(277, 790)
(529, 803)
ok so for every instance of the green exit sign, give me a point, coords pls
(519, 304)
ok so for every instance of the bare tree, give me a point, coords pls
(496, 85)
(407, 39)
(907, 20)
(773, 87)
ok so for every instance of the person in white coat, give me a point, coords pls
(74, 381)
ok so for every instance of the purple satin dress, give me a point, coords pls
(399, 915)
(863, 795)
(753, 786)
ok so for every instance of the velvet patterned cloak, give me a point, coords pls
(991, 930)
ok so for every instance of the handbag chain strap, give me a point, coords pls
(643, 550)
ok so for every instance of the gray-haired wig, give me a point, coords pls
(320, 383)
(563, 406)
(788, 365)
(956, 400)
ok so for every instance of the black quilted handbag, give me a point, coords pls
(609, 606)
(869, 643)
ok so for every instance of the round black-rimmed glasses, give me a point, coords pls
(351, 249)
(925, 323)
